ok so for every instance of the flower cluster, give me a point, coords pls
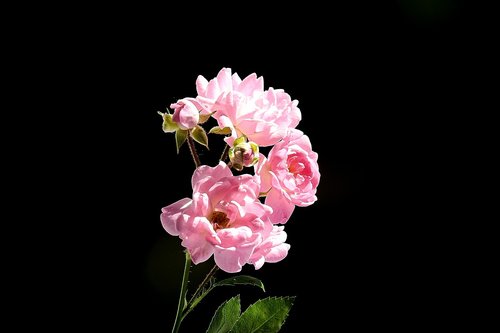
(225, 216)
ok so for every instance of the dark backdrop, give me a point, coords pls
(371, 80)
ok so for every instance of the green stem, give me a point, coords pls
(196, 296)
(224, 153)
(202, 284)
(182, 298)
(192, 149)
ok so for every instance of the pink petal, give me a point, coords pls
(173, 217)
(251, 84)
(272, 249)
(196, 240)
(236, 80)
(262, 169)
(213, 91)
(277, 253)
(205, 177)
(282, 208)
(224, 80)
(237, 244)
(201, 85)
(201, 204)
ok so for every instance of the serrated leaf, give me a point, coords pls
(241, 279)
(221, 131)
(168, 125)
(180, 138)
(199, 135)
(225, 316)
(205, 117)
(264, 316)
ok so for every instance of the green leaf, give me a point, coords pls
(199, 135)
(226, 315)
(264, 316)
(169, 125)
(241, 279)
(205, 117)
(180, 138)
(218, 130)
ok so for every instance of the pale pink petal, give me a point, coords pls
(173, 217)
(261, 132)
(236, 80)
(272, 249)
(282, 208)
(201, 204)
(295, 114)
(251, 84)
(239, 188)
(201, 85)
(262, 175)
(199, 106)
(266, 139)
(237, 245)
(259, 261)
(295, 134)
(224, 121)
(205, 177)
(256, 224)
(277, 253)
(230, 139)
(197, 240)
(213, 91)
(224, 80)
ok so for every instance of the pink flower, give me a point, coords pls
(264, 117)
(224, 218)
(290, 174)
(186, 113)
(224, 83)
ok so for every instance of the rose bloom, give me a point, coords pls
(290, 175)
(225, 218)
(224, 83)
(264, 117)
(187, 113)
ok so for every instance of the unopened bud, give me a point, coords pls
(243, 154)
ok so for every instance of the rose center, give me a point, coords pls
(219, 220)
(296, 167)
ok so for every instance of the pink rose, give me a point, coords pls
(224, 218)
(224, 83)
(290, 174)
(186, 113)
(264, 117)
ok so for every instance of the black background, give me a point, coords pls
(373, 80)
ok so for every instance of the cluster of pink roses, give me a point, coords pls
(225, 216)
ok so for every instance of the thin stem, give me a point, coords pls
(224, 153)
(199, 294)
(192, 149)
(182, 298)
(202, 284)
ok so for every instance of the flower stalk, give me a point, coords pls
(182, 297)
(192, 149)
